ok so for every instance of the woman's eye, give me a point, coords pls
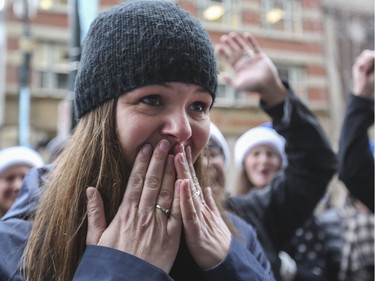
(271, 154)
(199, 107)
(151, 100)
(256, 153)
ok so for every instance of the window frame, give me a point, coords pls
(292, 22)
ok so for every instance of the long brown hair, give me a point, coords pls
(93, 157)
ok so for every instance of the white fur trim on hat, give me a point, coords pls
(218, 137)
(19, 155)
(259, 136)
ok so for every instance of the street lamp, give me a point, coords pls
(24, 9)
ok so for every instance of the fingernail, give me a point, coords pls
(182, 158)
(164, 145)
(90, 193)
(146, 149)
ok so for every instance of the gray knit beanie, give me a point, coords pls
(139, 43)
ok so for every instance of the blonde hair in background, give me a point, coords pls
(244, 184)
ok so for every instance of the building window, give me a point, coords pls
(52, 4)
(282, 15)
(224, 12)
(296, 77)
(51, 66)
(225, 94)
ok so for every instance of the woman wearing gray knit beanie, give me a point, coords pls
(127, 199)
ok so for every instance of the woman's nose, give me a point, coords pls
(177, 126)
(263, 158)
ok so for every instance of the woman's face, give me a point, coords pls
(10, 184)
(177, 112)
(261, 165)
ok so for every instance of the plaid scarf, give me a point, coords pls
(358, 248)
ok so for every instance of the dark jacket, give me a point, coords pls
(356, 161)
(337, 244)
(245, 260)
(316, 247)
(279, 209)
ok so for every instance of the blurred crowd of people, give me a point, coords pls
(336, 242)
(140, 190)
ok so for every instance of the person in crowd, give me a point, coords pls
(349, 241)
(127, 199)
(356, 171)
(259, 156)
(356, 160)
(218, 161)
(217, 158)
(278, 209)
(338, 243)
(15, 162)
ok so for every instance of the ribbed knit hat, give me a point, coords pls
(139, 43)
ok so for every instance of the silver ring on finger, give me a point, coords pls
(248, 53)
(196, 191)
(164, 210)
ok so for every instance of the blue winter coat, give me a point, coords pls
(245, 260)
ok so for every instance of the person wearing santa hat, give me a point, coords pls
(15, 162)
